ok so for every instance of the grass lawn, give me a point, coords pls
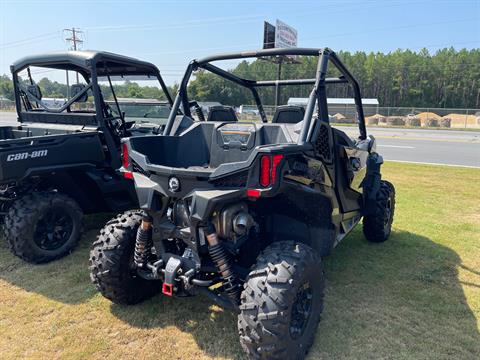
(416, 296)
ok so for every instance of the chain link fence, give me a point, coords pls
(389, 116)
(6, 104)
(375, 115)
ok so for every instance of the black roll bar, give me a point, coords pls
(356, 94)
(318, 94)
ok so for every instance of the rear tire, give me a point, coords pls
(281, 302)
(378, 225)
(111, 260)
(43, 226)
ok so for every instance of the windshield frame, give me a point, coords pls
(131, 103)
(90, 65)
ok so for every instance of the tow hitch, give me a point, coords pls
(173, 265)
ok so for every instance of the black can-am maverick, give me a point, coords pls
(60, 161)
(244, 211)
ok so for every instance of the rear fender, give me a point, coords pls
(76, 184)
(93, 189)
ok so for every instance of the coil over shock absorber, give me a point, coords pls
(143, 243)
(224, 264)
(199, 112)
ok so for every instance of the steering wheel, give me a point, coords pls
(127, 125)
(198, 110)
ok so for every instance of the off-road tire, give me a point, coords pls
(378, 225)
(25, 214)
(269, 295)
(111, 260)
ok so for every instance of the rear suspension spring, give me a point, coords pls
(143, 242)
(224, 264)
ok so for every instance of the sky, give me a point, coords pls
(171, 33)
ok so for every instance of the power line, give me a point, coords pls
(27, 41)
(75, 39)
(326, 9)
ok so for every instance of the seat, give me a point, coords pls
(34, 90)
(76, 89)
(342, 138)
(222, 113)
(288, 114)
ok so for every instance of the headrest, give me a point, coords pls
(288, 114)
(222, 113)
(35, 91)
(76, 89)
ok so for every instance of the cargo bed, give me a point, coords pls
(26, 149)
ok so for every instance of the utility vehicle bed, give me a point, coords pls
(207, 147)
(26, 149)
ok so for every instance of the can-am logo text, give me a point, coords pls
(174, 184)
(27, 155)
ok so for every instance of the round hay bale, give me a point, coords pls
(430, 122)
(382, 120)
(395, 121)
(375, 119)
(428, 115)
(339, 116)
(446, 122)
(341, 119)
(413, 121)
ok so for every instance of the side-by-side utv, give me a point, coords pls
(61, 159)
(244, 211)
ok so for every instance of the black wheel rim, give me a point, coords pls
(53, 229)
(301, 311)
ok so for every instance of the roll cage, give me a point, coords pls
(317, 95)
(91, 65)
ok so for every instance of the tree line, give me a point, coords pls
(55, 89)
(402, 78)
(448, 78)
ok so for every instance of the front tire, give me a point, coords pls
(111, 262)
(378, 225)
(43, 226)
(282, 302)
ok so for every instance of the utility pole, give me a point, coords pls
(279, 77)
(74, 37)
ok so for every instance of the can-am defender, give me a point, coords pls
(60, 161)
(244, 211)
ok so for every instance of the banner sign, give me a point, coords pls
(285, 35)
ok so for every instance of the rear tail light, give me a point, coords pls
(269, 168)
(265, 170)
(126, 162)
(125, 157)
